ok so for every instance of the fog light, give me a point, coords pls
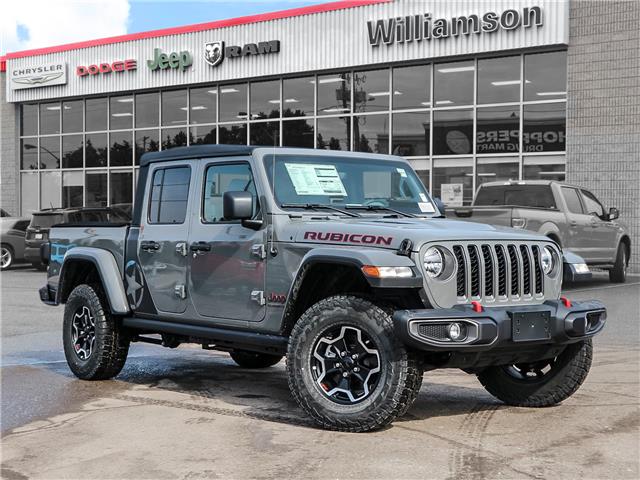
(581, 267)
(456, 332)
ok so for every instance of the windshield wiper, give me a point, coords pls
(319, 206)
(378, 207)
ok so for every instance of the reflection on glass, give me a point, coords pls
(29, 193)
(121, 149)
(72, 151)
(497, 130)
(410, 134)
(29, 119)
(412, 87)
(203, 103)
(452, 132)
(96, 188)
(96, 114)
(147, 109)
(49, 152)
(72, 116)
(334, 93)
(265, 99)
(546, 76)
(29, 153)
(453, 84)
(173, 137)
(121, 112)
(371, 90)
(49, 118)
(544, 167)
(233, 134)
(146, 141)
(297, 133)
(203, 135)
(297, 98)
(174, 107)
(265, 133)
(544, 127)
(96, 150)
(422, 167)
(232, 102)
(453, 181)
(371, 133)
(496, 169)
(334, 133)
(121, 187)
(499, 80)
(50, 189)
(72, 189)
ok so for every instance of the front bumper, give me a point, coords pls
(500, 328)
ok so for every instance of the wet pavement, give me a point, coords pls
(188, 413)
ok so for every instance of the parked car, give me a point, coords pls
(41, 222)
(571, 216)
(12, 231)
(341, 261)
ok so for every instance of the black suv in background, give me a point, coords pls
(42, 221)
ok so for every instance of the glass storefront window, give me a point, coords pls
(147, 109)
(412, 87)
(452, 132)
(50, 187)
(72, 151)
(120, 149)
(371, 90)
(233, 134)
(49, 152)
(334, 133)
(174, 107)
(545, 76)
(72, 116)
(265, 99)
(121, 112)
(453, 181)
(297, 133)
(265, 133)
(173, 137)
(95, 149)
(29, 119)
(544, 167)
(29, 193)
(72, 189)
(453, 84)
(203, 102)
(121, 186)
(49, 118)
(96, 114)
(146, 141)
(410, 134)
(297, 100)
(96, 188)
(498, 129)
(29, 153)
(371, 133)
(495, 169)
(202, 135)
(232, 102)
(334, 93)
(499, 80)
(544, 127)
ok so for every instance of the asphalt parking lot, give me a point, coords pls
(189, 413)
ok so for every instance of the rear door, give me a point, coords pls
(579, 228)
(603, 232)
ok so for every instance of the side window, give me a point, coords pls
(225, 178)
(571, 197)
(591, 203)
(169, 195)
(21, 225)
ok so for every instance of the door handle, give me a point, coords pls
(200, 247)
(573, 223)
(149, 246)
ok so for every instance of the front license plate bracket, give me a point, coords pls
(530, 326)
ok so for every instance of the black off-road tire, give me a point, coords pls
(618, 274)
(400, 376)
(246, 359)
(567, 373)
(111, 345)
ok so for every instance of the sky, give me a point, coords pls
(27, 24)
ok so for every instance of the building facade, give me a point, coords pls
(467, 91)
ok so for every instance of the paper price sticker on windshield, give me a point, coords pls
(310, 179)
(426, 207)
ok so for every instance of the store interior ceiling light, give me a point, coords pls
(227, 90)
(444, 102)
(334, 110)
(291, 100)
(275, 102)
(195, 107)
(329, 80)
(426, 104)
(507, 82)
(470, 68)
(124, 114)
(550, 94)
(125, 100)
(55, 107)
(212, 92)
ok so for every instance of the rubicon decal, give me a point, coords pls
(216, 52)
(105, 68)
(348, 238)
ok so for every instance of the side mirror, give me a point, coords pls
(439, 205)
(237, 205)
(613, 214)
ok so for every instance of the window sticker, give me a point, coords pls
(423, 197)
(315, 179)
(426, 207)
(402, 172)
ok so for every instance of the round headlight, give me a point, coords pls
(433, 262)
(547, 258)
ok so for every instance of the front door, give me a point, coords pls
(227, 260)
(578, 237)
(603, 232)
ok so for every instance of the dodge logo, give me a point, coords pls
(214, 53)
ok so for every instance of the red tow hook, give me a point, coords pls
(476, 306)
(566, 302)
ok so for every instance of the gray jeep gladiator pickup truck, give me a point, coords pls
(340, 261)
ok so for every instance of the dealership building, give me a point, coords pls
(467, 91)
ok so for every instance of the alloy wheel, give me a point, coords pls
(5, 257)
(83, 333)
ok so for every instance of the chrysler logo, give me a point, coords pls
(214, 53)
(38, 76)
(39, 79)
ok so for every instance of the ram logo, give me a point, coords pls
(214, 53)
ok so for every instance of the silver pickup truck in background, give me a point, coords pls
(572, 216)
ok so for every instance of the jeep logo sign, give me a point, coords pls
(216, 52)
(176, 61)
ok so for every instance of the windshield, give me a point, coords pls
(347, 183)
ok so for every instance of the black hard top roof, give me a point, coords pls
(196, 151)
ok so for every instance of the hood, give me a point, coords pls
(390, 232)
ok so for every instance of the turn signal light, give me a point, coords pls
(387, 272)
